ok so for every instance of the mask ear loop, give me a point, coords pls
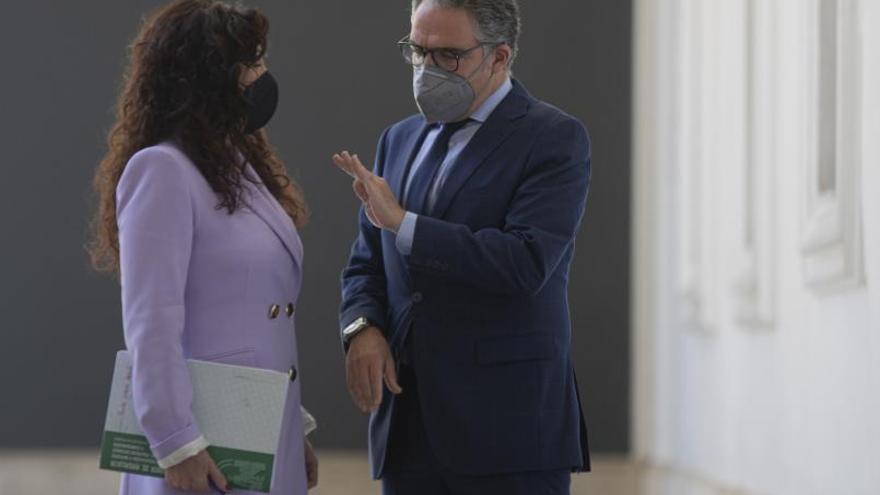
(486, 85)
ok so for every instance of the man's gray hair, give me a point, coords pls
(498, 21)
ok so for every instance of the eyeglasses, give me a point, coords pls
(447, 59)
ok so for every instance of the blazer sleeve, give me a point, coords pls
(541, 222)
(155, 219)
(364, 286)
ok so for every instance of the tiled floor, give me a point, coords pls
(342, 473)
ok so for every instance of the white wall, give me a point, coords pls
(757, 292)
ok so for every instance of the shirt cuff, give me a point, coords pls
(406, 233)
(309, 423)
(183, 453)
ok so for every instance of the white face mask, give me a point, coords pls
(443, 96)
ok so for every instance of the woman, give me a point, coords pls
(199, 217)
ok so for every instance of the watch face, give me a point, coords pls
(355, 326)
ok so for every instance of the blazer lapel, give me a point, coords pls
(396, 176)
(497, 128)
(265, 206)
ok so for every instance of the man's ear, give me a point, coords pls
(503, 54)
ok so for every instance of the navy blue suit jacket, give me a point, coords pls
(485, 290)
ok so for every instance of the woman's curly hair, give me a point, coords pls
(182, 84)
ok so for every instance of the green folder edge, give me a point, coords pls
(244, 470)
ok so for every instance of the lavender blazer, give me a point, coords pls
(200, 283)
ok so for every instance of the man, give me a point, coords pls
(455, 295)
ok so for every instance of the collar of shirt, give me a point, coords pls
(491, 103)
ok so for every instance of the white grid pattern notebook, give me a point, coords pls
(238, 409)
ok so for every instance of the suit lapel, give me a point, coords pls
(396, 176)
(265, 206)
(497, 128)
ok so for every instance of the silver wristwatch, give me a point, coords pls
(356, 327)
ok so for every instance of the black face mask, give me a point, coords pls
(262, 100)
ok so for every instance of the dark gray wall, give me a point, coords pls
(342, 83)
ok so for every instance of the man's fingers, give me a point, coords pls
(391, 377)
(358, 168)
(344, 165)
(352, 165)
(344, 161)
(376, 374)
(360, 190)
(357, 390)
(353, 385)
(366, 393)
(362, 171)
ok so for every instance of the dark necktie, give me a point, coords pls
(420, 186)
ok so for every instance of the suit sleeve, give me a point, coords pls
(364, 286)
(155, 218)
(541, 223)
